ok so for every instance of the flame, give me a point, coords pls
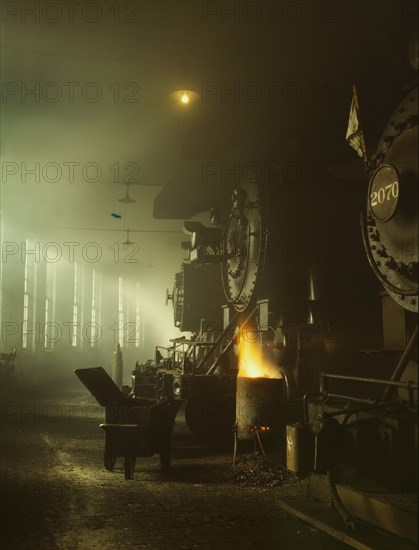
(252, 364)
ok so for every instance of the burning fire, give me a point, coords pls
(252, 364)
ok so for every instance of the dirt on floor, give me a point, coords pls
(56, 493)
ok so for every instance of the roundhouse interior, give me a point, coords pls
(209, 250)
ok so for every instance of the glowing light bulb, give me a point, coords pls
(185, 98)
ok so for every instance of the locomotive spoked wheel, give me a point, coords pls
(109, 461)
(129, 466)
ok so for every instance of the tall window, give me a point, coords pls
(49, 330)
(98, 303)
(121, 311)
(29, 298)
(94, 319)
(75, 307)
(138, 325)
(25, 306)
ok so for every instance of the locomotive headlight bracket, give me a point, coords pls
(206, 243)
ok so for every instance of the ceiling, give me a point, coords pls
(136, 59)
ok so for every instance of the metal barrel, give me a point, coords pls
(259, 407)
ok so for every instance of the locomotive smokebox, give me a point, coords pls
(259, 408)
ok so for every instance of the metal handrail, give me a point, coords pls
(215, 344)
(324, 376)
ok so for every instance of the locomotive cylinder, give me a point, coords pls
(259, 408)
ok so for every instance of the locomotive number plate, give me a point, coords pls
(384, 192)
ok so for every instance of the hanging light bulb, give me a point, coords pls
(127, 198)
(184, 98)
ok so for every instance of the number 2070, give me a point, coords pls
(391, 190)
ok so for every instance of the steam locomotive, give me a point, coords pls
(282, 264)
(282, 270)
(285, 265)
(290, 263)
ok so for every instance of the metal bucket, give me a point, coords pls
(259, 408)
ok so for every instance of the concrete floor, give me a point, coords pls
(56, 494)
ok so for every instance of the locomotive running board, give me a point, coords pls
(393, 512)
(326, 519)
